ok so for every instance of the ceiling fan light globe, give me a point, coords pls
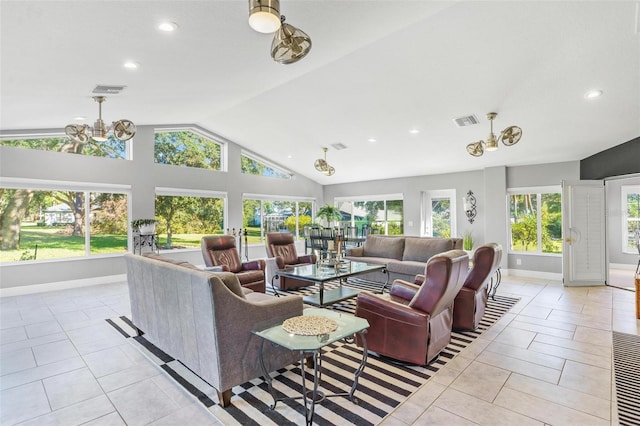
(264, 15)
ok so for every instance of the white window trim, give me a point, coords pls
(426, 213)
(625, 190)
(383, 197)
(539, 191)
(203, 133)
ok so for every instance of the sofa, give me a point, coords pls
(205, 319)
(404, 256)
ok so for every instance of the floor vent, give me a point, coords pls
(626, 363)
(467, 120)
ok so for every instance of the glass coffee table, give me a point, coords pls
(348, 326)
(323, 273)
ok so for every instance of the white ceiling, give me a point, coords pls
(376, 70)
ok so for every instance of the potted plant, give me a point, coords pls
(467, 241)
(144, 226)
(329, 213)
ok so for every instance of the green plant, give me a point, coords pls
(136, 223)
(329, 213)
(467, 241)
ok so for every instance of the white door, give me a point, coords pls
(583, 232)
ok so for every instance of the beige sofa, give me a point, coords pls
(205, 319)
(404, 256)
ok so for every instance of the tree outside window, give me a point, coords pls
(536, 222)
(187, 148)
(264, 215)
(253, 166)
(631, 217)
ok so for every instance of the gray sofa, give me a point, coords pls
(205, 319)
(404, 256)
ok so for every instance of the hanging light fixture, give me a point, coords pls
(264, 15)
(122, 129)
(290, 44)
(322, 166)
(509, 136)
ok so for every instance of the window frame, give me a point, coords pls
(625, 190)
(426, 210)
(538, 191)
(258, 159)
(47, 134)
(293, 199)
(85, 188)
(224, 148)
(379, 197)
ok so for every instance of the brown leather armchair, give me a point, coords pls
(471, 301)
(281, 250)
(413, 322)
(220, 250)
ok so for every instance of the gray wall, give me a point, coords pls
(490, 188)
(623, 159)
(144, 176)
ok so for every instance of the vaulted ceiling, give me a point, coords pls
(376, 71)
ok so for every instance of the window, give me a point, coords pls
(111, 148)
(185, 216)
(439, 213)
(630, 217)
(262, 214)
(55, 223)
(536, 221)
(186, 147)
(253, 165)
(381, 214)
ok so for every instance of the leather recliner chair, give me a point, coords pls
(413, 322)
(471, 301)
(220, 250)
(281, 252)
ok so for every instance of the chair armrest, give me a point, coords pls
(214, 268)
(355, 251)
(307, 258)
(370, 304)
(403, 289)
(419, 279)
(253, 265)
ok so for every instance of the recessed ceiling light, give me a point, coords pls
(414, 131)
(131, 65)
(80, 118)
(592, 94)
(168, 27)
(372, 140)
(289, 156)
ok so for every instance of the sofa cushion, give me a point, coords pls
(406, 267)
(383, 246)
(422, 249)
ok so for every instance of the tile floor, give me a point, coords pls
(548, 361)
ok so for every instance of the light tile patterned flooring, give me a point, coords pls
(548, 361)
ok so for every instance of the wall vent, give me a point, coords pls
(338, 146)
(103, 89)
(467, 120)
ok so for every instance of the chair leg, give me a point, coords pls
(225, 398)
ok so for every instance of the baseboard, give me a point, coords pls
(60, 285)
(533, 274)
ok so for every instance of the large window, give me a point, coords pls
(252, 165)
(536, 221)
(262, 214)
(184, 217)
(56, 223)
(630, 217)
(111, 148)
(381, 214)
(186, 147)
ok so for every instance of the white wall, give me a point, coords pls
(144, 176)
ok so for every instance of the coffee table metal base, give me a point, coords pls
(314, 395)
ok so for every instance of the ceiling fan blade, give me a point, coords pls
(475, 149)
(124, 130)
(511, 135)
(77, 132)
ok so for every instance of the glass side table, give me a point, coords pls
(348, 327)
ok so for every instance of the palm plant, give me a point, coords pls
(329, 213)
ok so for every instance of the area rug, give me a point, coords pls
(384, 384)
(626, 364)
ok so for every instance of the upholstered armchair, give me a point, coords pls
(471, 300)
(413, 322)
(220, 250)
(281, 253)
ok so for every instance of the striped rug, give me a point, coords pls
(384, 384)
(626, 363)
